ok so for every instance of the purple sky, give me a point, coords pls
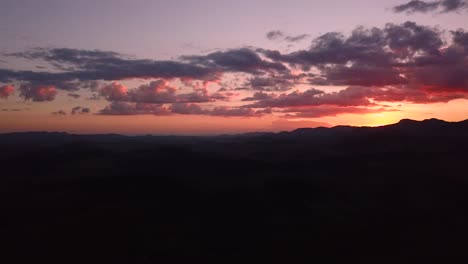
(165, 29)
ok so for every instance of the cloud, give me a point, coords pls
(274, 35)
(59, 113)
(80, 110)
(194, 109)
(356, 96)
(236, 60)
(114, 92)
(444, 6)
(106, 65)
(360, 75)
(157, 92)
(296, 38)
(38, 93)
(259, 96)
(187, 109)
(273, 82)
(6, 91)
(82, 68)
(417, 6)
(64, 58)
(268, 84)
(278, 34)
(369, 46)
(404, 62)
(460, 38)
(125, 108)
(352, 96)
(405, 55)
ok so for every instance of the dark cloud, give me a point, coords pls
(6, 91)
(352, 96)
(444, 6)
(364, 45)
(278, 34)
(236, 60)
(275, 34)
(394, 94)
(356, 96)
(360, 75)
(37, 93)
(194, 109)
(404, 54)
(80, 110)
(453, 5)
(258, 96)
(74, 95)
(417, 6)
(187, 109)
(82, 68)
(460, 38)
(409, 38)
(59, 113)
(105, 65)
(374, 47)
(125, 108)
(274, 82)
(296, 38)
(70, 81)
(65, 59)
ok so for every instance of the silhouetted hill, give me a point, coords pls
(390, 194)
(428, 126)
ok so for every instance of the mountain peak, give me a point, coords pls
(407, 121)
(434, 120)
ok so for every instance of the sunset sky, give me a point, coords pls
(215, 66)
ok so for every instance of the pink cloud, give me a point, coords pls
(6, 91)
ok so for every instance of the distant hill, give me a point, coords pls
(431, 126)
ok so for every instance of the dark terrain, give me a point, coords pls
(392, 194)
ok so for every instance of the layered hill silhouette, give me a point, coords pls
(390, 194)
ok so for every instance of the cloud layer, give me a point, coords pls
(405, 62)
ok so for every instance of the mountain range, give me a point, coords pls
(389, 194)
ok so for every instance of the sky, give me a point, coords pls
(215, 67)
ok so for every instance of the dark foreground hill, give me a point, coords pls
(392, 194)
